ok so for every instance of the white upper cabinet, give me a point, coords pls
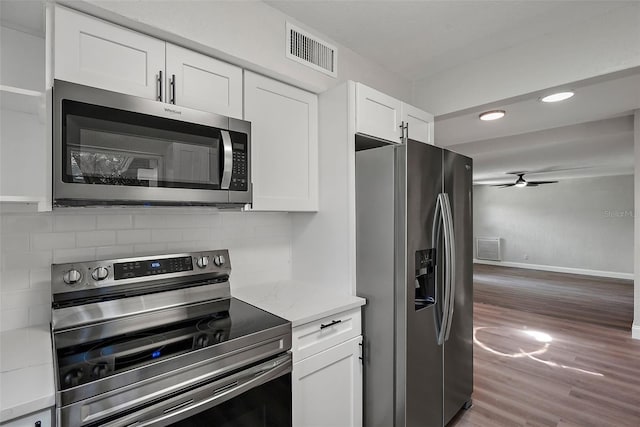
(377, 114)
(419, 124)
(284, 144)
(382, 116)
(203, 83)
(96, 53)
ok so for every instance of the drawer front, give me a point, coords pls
(37, 419)
(322, 334)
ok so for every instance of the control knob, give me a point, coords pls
(73, 377)
(203, 261)
(202, 341)
(99, 273)
(219, 260)
(72, 277)
(100, 369)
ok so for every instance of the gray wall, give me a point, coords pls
(578, 223)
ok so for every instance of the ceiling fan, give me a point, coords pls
(521, 182)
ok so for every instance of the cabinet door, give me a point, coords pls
(43, 417)
(284, 144)
(377, 114)
(327, 388)
(96, 53)
(203, 83)
(420, 124)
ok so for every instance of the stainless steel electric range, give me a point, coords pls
(158, 340)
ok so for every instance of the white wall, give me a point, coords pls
(598, 46)
(578, 223)
(636, 317)
(249, 33)
(259, 247)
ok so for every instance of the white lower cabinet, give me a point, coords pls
(327, 372)
(37, 419)
(327, 387)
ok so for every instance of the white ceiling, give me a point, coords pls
(588, 135)
(591, 134)
(419, 38)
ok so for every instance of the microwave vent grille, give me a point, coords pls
(311, 51)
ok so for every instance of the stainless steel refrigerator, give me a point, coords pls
(414, 267)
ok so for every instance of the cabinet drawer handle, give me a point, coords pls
(334, 322)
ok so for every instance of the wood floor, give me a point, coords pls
(607, 302)
(548, 352)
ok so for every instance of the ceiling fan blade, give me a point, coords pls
(541, 182)
(503, 185)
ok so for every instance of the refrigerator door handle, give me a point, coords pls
(451, 261)
(440, 215)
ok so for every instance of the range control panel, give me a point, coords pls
(131, 269)
(78, 276)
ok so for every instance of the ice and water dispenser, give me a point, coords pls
(425, 267)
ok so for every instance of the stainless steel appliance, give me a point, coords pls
(115, 149)
(159, 341)
(414, 267)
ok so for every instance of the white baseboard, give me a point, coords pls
(635, 331)
(570, 270)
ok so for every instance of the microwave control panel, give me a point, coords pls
(240, 170)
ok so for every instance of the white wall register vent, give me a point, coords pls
(488, 248)
(311, 51)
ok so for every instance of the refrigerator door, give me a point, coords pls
(418, 346)
(458, 348)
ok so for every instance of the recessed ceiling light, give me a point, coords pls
(557, 97)
(492, 115)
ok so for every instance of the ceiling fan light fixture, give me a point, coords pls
(520, 182)
(557, 97)
(492, 115)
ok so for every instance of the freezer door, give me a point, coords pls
(423, 400)
(458, 348)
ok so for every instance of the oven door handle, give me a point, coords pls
(227, 165)
(207, 396)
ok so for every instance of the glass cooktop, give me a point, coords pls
(91, 359)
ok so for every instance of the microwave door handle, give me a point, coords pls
(227, 166)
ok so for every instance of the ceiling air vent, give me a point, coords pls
(311, 51)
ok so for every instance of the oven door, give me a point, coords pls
(111, 148)
(259, 396)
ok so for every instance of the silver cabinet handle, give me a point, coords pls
(227, 166)
(172, 89)
(401, 131)
(160, 84)
(451, 263)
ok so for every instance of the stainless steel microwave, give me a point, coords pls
(115, 149)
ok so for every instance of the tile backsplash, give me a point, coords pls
(259, 247)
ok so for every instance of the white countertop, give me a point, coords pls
(26, 372)
(297, 302)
